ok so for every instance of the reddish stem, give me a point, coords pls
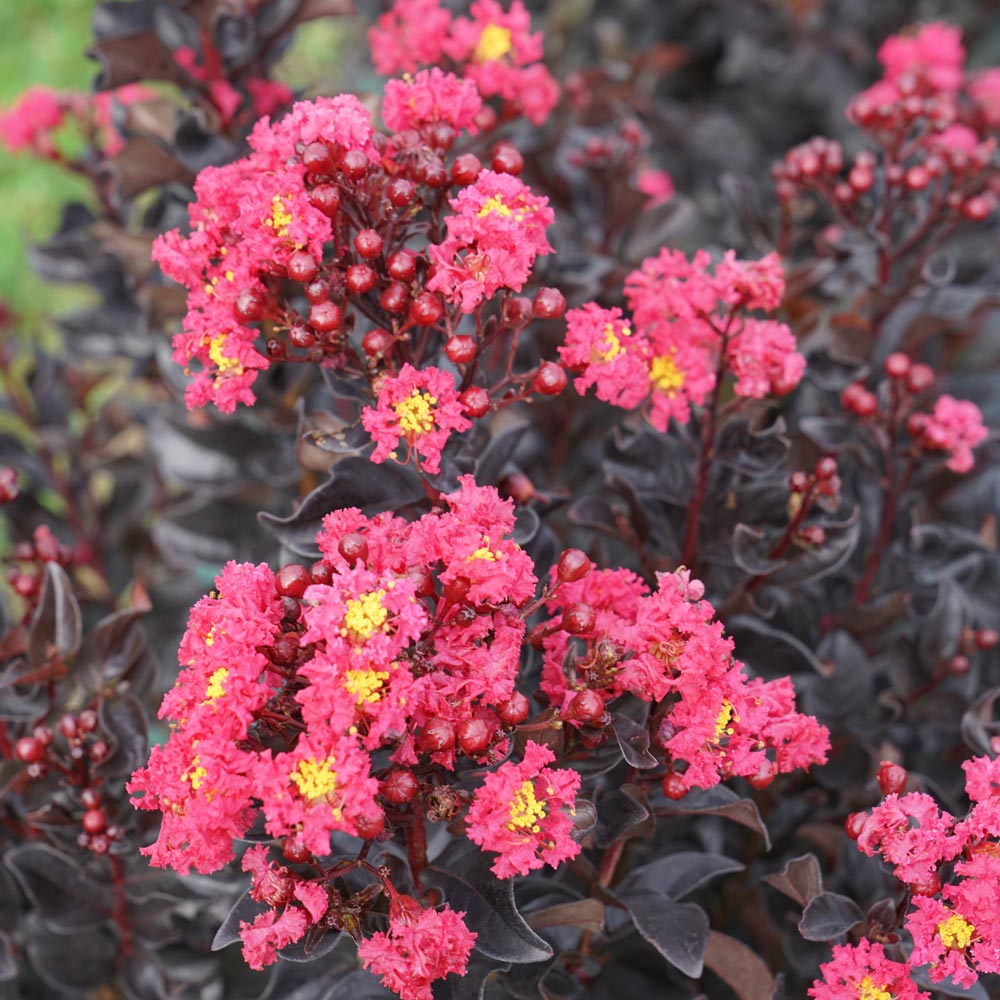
(416, 844)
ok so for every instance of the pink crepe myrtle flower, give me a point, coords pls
(656, 185)
(955, 426)
(409, 35)
(420, 408)
(942, 939)
(933, 52)
(519, 812)
(862, 971)
(430, 97)
(27, 125)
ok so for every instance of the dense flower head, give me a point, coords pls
(862, 971)
(38, 112)
(932, 52)
(955, 426)
(408, 36)
(984, 89)
(911, 833)
(688, 326)
(496, 232)
(942, 937)
(420, 946)
(523, 813)
(429, 97)
(419, 407)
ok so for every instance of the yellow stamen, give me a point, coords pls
(495, 204)
(867, 990)
(216, 685)
(485, 552)
(196, 775)
(315, 780)
(494, 43)
(613, 346)
(364, 616)
(526, 810)
(280, 218)
(225, 364)
(365, 685)
(727, 715)
(665, 375)
(416, 413)
(956, 932)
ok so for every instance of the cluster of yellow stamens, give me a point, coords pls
(526, 810)
(365, 616)
(494, 43)
(316, 780)
(665, 375)
(416, 413)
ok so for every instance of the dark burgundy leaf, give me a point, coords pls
(682, 872)
(77, 960)
(979, 723)
(800, 879)
(633, 738)
(720, 801)
(621, 814)
(739, 966)
(8, 965)
(678, 931)
(56, 621)
(828, 916)
(244, 910)
(587, 914)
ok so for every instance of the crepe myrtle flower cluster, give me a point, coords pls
(347, 699)
(951, 868)
(928, 164)
(690, 324)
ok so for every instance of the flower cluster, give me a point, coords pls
(614, 637)
(689, 327)
(954, 927)
(494, 48)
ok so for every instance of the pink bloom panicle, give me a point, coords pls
(955, 426)
(863, 972)
(428, 98)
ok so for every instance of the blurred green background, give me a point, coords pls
(44, 43)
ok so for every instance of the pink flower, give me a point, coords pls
(751, 284)
(933, 52)
(269, 932)
(955, 426)
(430, 97)
(862, 972)
(911, 833)
(493, 238)
(974, 896)
(942, 937)
(410, 35)
(420, 408)
(38, 111)
(656, 185)
(421, 946)
(518, 813)
(762, 356)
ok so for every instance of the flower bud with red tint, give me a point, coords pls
(673, 786)
(507, 160)
(294, 849)
(460, 350)
(987, 638)
(891, 778)
(325, 316)
(573, 565)
(355, 164)
(317, 291)
(858, 400)
(402, 265)
(473, 736)
(399, 785)
(929, 886)
(855, 824)
(515, 710)
(94, 821)
(585, 706)
(302, 267)
(368, 244)
(353, 547)
(550, 379)
(764, 775)
(579, 618)
(826, 467)
(249, 305)
(465, 170)
(426, 309)
(326, 198)
(897, 365)
(321, 572)
(437, 735)
(292, 580)
(360, 278)
(376, 342)
(919, 378)
(395, 298)
(401, 192)
(549, 303)
(302, 337)
(90, 798)
(29, 750)
(475, 401)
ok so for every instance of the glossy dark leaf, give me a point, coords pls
(244, 910)
(948, 988)
(116, 650)
(678, 931)
(633, 738)
(77, 960)
(980, 724)
(681, 872)
(56, 621)
(353, 482)
(721, 801)
(124, 720)
(498, 454)
(621, 813)
(740, 967)
(357, 985)
(800, 879)
(828, 916)
(587, 914)
(941, 629)
(65, 897)
(463, 875)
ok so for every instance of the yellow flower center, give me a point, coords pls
(216, 685)
(280, 218)
(416, 413)
(526, 810)
(867, 990)
(365, 685)
(494, 43)
(225, 364)
(196, 775)
(665, 375)
(364, 616)
(484, 552)
(956, 932)
(495, 204)
(613, 346)
(727, 715)
(315, 779)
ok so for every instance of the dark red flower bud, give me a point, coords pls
(473, 737)
(586, 707)
(507, 159)
(579, 618)
(355, 164)
(987, 638)
(368, 244)
(399, 785)
(855, 824)
(29, 750)
(897, 365)
(353, 547)
(549, 303)
(249, 305)
(919, 378)
(302, 267)
(402, 265)
(276, 349)
(515, 710)
(395, 298)
(292, 580)
(316, 158)
(437, 735)
(376, 342)
(465, 170)
(302, 337)
(326, 198)
(426, 309)
(765, 774)
(294, 849)
(929, 886)
(673, 786)
(67, 726)
(573, 565)
(317, 290)
(321, 572)
(550, 379)
(798, 482)
(460, 350)
(475, 401)
(90, 798)
(891, 778)
(325, 316)
(94, 821)
(857, 399)
(826, 467)
(401, 192)
(360, 278)
(43, 734)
